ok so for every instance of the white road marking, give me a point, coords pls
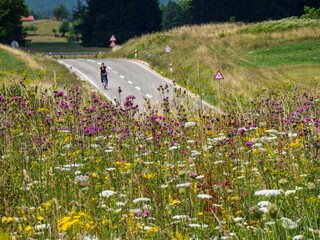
(148, 96)
(138, 88)
(110, 68)
(114, 72)
(89, 60)
(129, 82)
(121, 76)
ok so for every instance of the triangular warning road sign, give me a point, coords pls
(112, 44)
(113, 39)
(218, 75)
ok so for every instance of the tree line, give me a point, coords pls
(95, 21)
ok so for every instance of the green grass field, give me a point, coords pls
(296, 53)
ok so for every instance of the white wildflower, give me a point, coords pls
(143, 199)
(189, 124)
(107, 193)
(41, 227)
(298, 237)
(288, 223)
(204, 196)
(196, 225)
(263, 203)
(288, 192)
(111, 169)
(180, 217)
(238, 219)
(267, 192)
(120, 204)
(187, 184)
(200, 177)
(81, 180)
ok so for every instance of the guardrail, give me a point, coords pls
(71, 54)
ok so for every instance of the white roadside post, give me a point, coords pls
(167, 49)
(135, 54)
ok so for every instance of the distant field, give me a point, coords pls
(307, 52)
(43, 39)
(43, 27)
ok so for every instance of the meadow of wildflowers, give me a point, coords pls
(77, 167)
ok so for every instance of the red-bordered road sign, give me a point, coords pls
(113, 39)
(218, 75)
(167, 49)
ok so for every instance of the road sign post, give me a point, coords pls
(113, 41)
(218, 76)
(167, 49)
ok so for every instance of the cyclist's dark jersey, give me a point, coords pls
(103, 70)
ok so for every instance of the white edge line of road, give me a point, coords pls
(83, 77)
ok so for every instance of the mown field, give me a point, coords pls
(74, 166)
(44, 39)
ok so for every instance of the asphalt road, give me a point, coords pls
(132, 77)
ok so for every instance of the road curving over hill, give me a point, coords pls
(132, 77)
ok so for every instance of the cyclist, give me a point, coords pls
(104, 74)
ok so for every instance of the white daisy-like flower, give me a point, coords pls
(189, 124)
(181, 185)
(107, 193)
(142, 199)
(204, 196)
(164, 186)
(267, 192)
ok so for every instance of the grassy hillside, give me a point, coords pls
(273, 54)
(18, 66)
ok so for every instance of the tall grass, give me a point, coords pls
(74, 166)
(34, 69)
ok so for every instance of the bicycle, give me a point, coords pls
(104, 78)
